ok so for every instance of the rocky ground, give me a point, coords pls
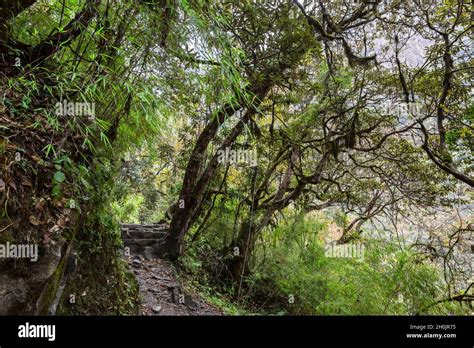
(162, 294)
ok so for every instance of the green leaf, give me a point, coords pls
(56, 190)
(59, 177)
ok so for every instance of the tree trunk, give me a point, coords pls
(187, 209)
(242, 249)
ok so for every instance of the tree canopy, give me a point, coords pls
(258, 131)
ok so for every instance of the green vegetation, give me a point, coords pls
(259, 132)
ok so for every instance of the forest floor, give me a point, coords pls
(162, 294)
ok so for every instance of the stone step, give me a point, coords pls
(143, 242)
(148, 252)
(143, 234)
(150, 249)
(161, 227)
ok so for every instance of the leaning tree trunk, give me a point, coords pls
(198, 174)
(248, 233)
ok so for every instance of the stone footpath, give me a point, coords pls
(160, 292)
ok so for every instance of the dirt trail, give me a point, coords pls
(161, 293)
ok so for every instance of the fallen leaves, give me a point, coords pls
(26, 182)
(12, 185)
(40, 203)
(34, 221)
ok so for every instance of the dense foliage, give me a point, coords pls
(260, 132)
